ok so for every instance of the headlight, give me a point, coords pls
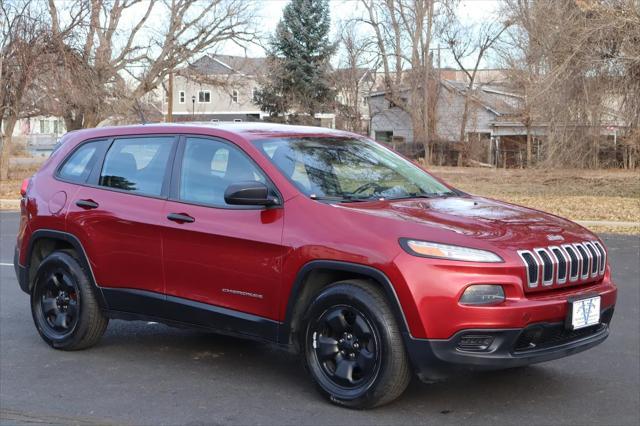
(446, 251)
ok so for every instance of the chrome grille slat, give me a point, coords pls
(574, 262)
(562, 270)
(595, 258)
(548, 269)
(585, 260)
(532, 268)
(556, 265)
(603, 257)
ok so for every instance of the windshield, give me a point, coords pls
(349, 169)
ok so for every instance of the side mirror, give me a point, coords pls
(249, 193)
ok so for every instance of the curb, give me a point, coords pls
(588, 223)
(9, 204)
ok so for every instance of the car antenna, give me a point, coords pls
(143, 120)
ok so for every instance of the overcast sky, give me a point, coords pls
(270, 12)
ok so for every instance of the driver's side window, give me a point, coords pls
(209, 166)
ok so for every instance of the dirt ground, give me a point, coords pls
(587, 195)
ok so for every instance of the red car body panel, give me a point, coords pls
(130, 244)
(223, 252)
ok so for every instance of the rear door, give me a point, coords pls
(222, 255)
(117, 214)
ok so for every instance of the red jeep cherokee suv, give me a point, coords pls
(318, 240)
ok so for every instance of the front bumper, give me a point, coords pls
(436, 359)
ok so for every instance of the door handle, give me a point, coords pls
(87, 204)
(180, 217)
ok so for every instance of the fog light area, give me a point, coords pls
(472, 342)
(482, 294)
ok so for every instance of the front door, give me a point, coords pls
(214, 253)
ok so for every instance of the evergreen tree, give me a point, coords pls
(299, 55)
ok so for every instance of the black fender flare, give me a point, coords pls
(335, 265)
(76, 244)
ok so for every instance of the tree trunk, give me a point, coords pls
(73, 121)
(529, 142)
(5, 147)
(464, 148)
(4, 157)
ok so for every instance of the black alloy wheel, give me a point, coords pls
(346, 347)
(64, 303)
(58, 304)
(353, 347)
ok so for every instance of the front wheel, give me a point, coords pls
(353, 347)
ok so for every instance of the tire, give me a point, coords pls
(64, 305)
(353, 348)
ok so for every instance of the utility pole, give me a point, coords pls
(170, 99)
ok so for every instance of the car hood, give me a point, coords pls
(468, 217)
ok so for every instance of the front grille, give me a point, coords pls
(556, 265)
(541, 336)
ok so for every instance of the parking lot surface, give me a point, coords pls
(150, 374)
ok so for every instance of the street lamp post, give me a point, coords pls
(193, 107)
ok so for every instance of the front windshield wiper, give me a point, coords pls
(425, 195)
(343, 199)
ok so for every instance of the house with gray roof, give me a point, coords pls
(217, 88)
(493, 113)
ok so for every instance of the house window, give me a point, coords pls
(254, 93)
(181, 97)
(403, 101)
(234, 96)
(364, 102)
(44, 126)
(384, 136)
(204, 97)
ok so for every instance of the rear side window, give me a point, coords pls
(137, 164)
(79, 164)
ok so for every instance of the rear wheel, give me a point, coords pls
(353, 347)
(64, 305)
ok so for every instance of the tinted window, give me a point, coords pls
(137, 164)
(78, 166)
(209, 167)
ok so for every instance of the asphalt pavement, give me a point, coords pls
(149, 374)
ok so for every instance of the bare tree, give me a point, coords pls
(470, 43)
(23, 46)
(403, 31)
(577, 64)
(355, 76)
(110, 62)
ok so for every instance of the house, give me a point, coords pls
(222, 88)
(217, 88)
(352, 87)
(490, 105)
(38, 134)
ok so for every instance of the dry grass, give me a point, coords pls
(10, 189)
(583, 195)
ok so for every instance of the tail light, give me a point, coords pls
(25, 187)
